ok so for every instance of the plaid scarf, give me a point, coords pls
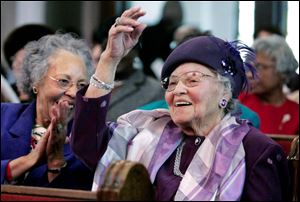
(150, 137)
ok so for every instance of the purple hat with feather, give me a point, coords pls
(229, 59)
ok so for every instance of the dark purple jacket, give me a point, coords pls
(267, 176)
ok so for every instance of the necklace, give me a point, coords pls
(176, 169)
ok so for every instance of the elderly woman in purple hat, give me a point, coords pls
(196, 150)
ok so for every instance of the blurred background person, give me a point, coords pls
(32, 153)
(14, 52)
(133, 88)
(186, 32)
(265, 31)
(155, 40)
(99, 38)
(292, 87)
(275, 61)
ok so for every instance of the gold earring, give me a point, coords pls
(35, 91)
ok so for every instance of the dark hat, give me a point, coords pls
(19, 37)
(221, 56)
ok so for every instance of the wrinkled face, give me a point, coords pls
(268, 78)
(65, 76)
(195, 100)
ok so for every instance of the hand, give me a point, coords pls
(124, 34)
(39, 152)
(57, 131)
(122, 37)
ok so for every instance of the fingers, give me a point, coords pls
(138, 31)
(128, 20)
(130, 13)
(61, 111)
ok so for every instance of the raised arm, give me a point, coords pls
(90, 134)
(122, 37)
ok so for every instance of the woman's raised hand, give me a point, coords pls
(57, 129)
(122, 37)
(124, 34)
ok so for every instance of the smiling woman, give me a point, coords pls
(33, 152)
(198, 149)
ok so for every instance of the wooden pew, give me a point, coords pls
(28, 193)
(293, 161)
(285, 137)
(124, 181)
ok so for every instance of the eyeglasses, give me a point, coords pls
(189, 79)
(66, 84)
(264, 67)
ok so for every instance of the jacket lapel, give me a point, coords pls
(21, 129)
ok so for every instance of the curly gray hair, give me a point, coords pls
(37, 54)
(276, 48)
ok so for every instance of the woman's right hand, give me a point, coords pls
(122, 37)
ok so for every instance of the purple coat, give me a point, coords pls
(266, 164)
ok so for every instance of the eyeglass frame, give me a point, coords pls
(184, 82)
(68, 86)
(265, 67)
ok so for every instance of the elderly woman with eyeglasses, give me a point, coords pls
(196, 150)
(32, 151)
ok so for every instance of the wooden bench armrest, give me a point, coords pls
(282, 137)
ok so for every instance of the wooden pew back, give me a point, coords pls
(124, 181)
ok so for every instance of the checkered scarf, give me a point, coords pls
(150, 137)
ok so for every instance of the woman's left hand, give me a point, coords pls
(124, 34)
(58, 130)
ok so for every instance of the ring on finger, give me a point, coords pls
(59, 128)
(117, 22)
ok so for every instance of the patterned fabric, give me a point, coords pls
(150, 137)
(221, 160)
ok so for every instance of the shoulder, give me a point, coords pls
(12, 108)
(141, 118)
(291, 104)
(249, 114)
(12, 111)
(248, 98)
(259, 148)
(155, 105)
(256, 143)
(266, 168)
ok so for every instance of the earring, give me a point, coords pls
(223, 103)
(35, 91)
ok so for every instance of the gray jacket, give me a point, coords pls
(135, 92)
